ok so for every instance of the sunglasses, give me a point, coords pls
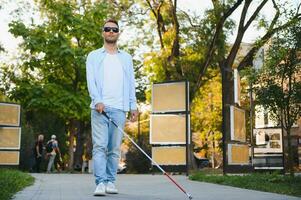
(109, 29)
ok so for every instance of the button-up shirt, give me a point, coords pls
(95, 78)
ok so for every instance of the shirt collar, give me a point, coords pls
(103, 50)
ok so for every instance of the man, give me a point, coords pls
(38, 151)
(111, 85)
(52, 149)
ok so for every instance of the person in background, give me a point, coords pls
(38, 152)
(52, 149)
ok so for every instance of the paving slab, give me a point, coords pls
(135, 187)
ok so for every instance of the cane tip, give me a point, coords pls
(189, 196)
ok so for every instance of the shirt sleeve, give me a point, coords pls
(133, 100)
(91, 82)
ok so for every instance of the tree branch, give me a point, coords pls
(275, 19)
(247, 60)
(151, 7)
(241, 30)
(232, 9)
(189, 20)
(159, 20)
(243, 15)
(175, 52)
(252, 18)
(240, 33)
(218, 30)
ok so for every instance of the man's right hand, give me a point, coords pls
(99, 107)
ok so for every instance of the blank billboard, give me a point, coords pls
(238, 154)
(9, 157)
(238, 124)
(9, 114)
(168, 129)
(10, 137)
(174, 155)
(169, 97)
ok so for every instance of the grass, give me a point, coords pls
(274, 183)
(12, 181)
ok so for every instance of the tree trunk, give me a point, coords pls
(72, 129)
(290, 160)
(80, 139)
(227, 100)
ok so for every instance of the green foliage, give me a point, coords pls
(206, 119)
(50, 80)
(263, 182)
(278, 87)
(208, 101)
(136, 161)
(262, 23)
(3, 98)
(12, 181)
(195, 37)
(52, 76)
(33, 124)
(194, 43)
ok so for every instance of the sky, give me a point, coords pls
(191, 6)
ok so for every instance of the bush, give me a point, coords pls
(12, 181)
(136, 161)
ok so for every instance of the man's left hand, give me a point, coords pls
(134, 115)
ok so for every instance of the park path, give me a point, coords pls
(135, 187)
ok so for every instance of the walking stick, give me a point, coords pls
(160, 168)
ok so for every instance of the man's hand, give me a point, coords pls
(134, 115)
(99, 107)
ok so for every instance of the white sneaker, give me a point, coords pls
(100, 190)
(111, 189)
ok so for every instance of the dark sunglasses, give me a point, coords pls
(109, 29)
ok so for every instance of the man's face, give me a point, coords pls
(110, 32)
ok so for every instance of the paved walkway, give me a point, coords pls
(135, 187)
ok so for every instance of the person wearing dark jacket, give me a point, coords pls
(38, 151)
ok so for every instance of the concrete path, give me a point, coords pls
(135, 187)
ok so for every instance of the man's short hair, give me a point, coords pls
(112, 21)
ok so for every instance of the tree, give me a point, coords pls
(206, 120)
(278, 84)
(214, 52)
(51, 77)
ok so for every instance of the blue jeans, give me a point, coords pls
(106, 139)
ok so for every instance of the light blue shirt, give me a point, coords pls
(95, 78)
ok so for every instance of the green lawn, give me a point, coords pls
(12, 181)
(258, 181)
